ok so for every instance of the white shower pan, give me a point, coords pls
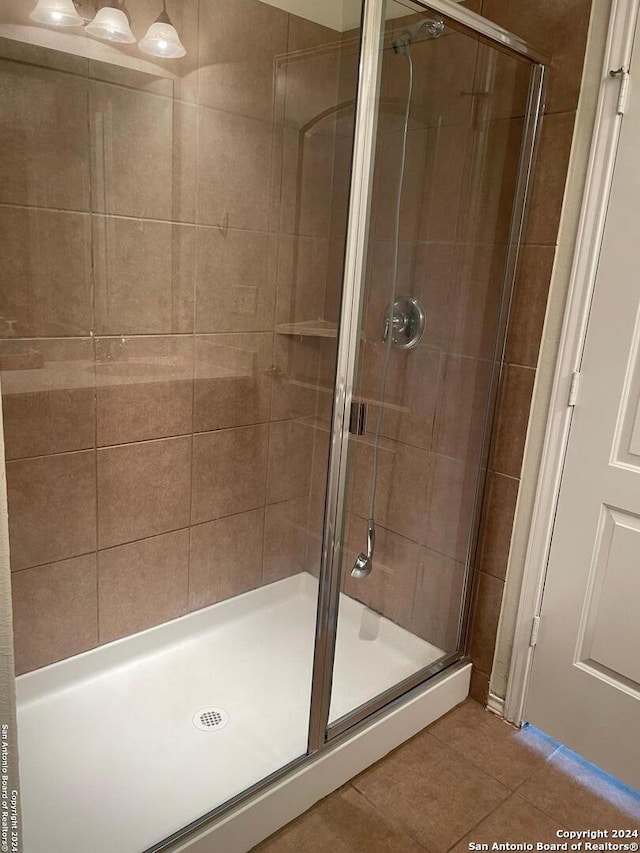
(111, 754)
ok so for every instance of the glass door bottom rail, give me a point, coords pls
(125, 744)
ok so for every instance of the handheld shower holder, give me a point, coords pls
(364, 562)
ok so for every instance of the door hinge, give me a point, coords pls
(535, 630)
(575, 387)
(623, 75)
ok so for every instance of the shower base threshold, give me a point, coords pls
(110, 756)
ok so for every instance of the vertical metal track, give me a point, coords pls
(528, 150)
(366, 121)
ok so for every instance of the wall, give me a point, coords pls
(157, 230)
(559, 29)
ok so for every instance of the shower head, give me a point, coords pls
(431, 27)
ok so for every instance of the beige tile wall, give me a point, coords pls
(160, 435)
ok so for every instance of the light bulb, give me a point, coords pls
(162, 40)
(111, 25)
(56, 13)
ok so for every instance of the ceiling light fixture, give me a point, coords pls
(112, 24)
(162, 38)
(56, 13)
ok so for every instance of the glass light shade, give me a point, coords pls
(162, 40)
(56, 13)
(111, 25)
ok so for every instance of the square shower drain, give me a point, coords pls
(210, 719)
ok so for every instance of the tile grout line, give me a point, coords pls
(194, 369)
(513, 791)
(98, 550)
(271, 231)
(146, 441)
(271, 399)
(94, 344)
(539, 770)
(468, 764)
(384, 816)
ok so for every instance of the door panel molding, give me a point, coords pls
(606, 640)
(627, 440)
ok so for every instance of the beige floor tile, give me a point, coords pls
(579, 796)
(515, 821)
(431, 792)
(509, 755)
(343, 823)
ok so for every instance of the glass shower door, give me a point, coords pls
(443, 231)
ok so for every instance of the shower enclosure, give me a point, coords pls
(256, 274)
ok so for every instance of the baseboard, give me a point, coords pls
(495, 704)
(251, 823)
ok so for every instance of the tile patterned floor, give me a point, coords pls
(468, 777)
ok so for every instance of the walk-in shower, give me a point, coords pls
(213, 265)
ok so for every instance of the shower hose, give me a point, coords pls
(404, 50)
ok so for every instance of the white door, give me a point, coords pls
(585, 686)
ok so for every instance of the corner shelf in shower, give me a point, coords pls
(310, 329)
(386, 443)
(357, 398)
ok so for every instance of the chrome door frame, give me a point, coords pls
(362, 169)
(363, 163)
(476, 25)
